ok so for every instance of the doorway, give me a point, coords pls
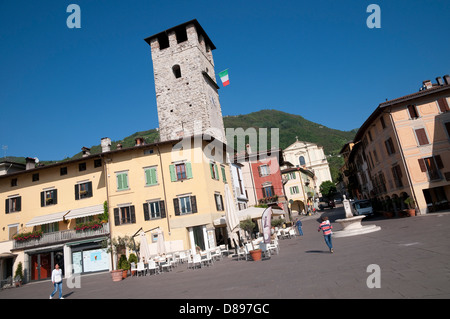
(43, 263)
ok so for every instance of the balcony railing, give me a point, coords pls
(61, 237)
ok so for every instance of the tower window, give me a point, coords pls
(176, 71)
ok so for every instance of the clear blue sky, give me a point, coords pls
(61, 88)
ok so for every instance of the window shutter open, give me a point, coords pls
(42, 199)
(443, 105)
(439, 162)
(6, 206)
(176, 206)
(116, 217)
(133, 214)
(55, 196)
(89, 186)
(146, 212)
(224, 176)
(422, 165)
(173, 175)
(162, 209)
(194, 204)
(188, 170)
(77, 192)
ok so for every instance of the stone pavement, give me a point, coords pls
(412, 253)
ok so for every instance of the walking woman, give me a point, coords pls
(57, 281)
(326, 227)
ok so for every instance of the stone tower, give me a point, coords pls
(186, 91)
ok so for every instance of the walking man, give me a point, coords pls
(298, 223)
(326, 227)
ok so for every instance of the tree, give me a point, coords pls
(328, 189)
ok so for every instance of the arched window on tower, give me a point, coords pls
(176, 71)
(301, 159)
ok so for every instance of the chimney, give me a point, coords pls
(439, 81)
(86, 151)
(106, 144)
(447, 79)
(427, 84)
(30, 163)
(139, 141)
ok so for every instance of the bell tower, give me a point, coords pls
(186, 91)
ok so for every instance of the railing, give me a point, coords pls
(61, 236)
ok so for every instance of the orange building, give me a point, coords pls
(405, 145)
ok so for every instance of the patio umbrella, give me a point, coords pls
(232, 219)
(144, 251)
(160, 244)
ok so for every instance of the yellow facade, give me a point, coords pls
(133, 177)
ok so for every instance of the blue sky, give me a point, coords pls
(62, 89)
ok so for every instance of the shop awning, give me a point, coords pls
(46, 219)
(64, 215)
(7, 255)
(84, 212)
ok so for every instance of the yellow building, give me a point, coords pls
(299, 184)
(170, 185)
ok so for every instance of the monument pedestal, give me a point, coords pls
(351, 225)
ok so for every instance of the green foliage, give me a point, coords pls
(277, 222)
(328, 189)
(19, 271)
(132, 258)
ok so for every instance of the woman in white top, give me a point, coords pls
(57, 281)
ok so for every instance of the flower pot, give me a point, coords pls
(124, 274)
(256, 254)
(411, 212)
(117, 275)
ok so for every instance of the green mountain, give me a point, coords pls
(290, 126)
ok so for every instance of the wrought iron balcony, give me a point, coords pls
(61, 237)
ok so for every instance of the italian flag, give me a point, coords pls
(224, 77)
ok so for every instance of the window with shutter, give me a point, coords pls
(224, 176)
(122, 181)
(431, 165)
(13, 204)
(443, 105)
(151, 176)
(421, 135)
(412, 110)
(83, 190)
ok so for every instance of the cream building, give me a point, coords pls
(309, 156)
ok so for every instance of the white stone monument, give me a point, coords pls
(351, 225)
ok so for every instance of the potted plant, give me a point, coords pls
(113, 246)
(248, 225)
(18, 276)
(124, 265)
(133, 259)
(411, 210)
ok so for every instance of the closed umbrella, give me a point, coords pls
(160, 243)
(144, 251)
(232, 219)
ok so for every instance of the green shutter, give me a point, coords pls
(150, 176)
(188, 170)
(224, 176)
(122, 181)
(173, 175)
(211, 169)
(216, 171)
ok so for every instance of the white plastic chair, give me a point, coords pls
(265, 249)
(140, 268)
(152, 266)
(224, 250)
(196, 259)
(207, 260)
(183, 257)
(216, 254)
(292, 233)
